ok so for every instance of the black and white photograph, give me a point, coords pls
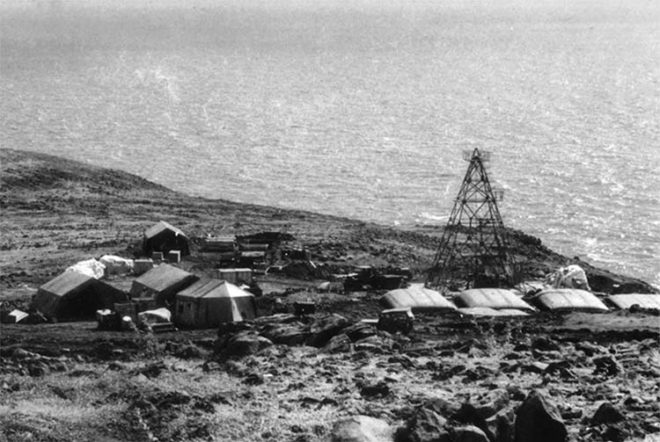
(327, 220)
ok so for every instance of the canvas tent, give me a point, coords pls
(210, 302)
(73, 295)
(418, 299)
(162, 283)
(163, 237)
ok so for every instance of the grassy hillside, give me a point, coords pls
(58, 211)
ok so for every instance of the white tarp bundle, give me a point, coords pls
(90, 267)
(570, 277)
(116, 264)
(17, 316)
(155, 316)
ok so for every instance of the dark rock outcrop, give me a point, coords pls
(538, 420)
(607, 414)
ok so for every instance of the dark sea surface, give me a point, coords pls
(360, 110)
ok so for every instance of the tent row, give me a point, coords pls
(194, 302)
(502, 302)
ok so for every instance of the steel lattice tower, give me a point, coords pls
(473, 249)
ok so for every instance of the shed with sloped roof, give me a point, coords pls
(162, 283)
(163, 237)
(211, 302)
(418, 298)
(75, 296)
(498, 299)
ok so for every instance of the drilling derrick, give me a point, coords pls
(473, 250)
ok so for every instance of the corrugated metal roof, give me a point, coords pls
(492, 298)
(161, 277)
(215, 288)
(418, 298)
(66, 282)
(161, 226)
(570, 299)
(642, 299)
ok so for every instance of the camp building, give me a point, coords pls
(162, 283)
(75, 296)
(164, 237)
(210, 302)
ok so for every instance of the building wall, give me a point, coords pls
(186, 311)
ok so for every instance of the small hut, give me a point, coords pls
(75, 296)
(211, 302)
(164, 237)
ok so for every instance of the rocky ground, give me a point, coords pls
(575, 376)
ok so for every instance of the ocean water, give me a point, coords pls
(360, 110)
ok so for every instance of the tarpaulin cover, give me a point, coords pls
(116, 264)
(571, 277)
(90, 267)
(156, 316)
(492, 298)
(418, 298)
(486, 311)
(569, 300)
(646, 301)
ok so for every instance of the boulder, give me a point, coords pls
(378, 344)
(469, 415)
(324, 328)
(468, 433)
(359, 330)
(502, 425)
(425, 425)
(590, 349)
(286, 334)
(615, 434)
(607, 414)
(189, 351)
(545, 344)
(378, 390)
(538, 420)
(494, 401)
(38, 369)
(245, 343)
(607, 366)
(338, 344)
(361, 429)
